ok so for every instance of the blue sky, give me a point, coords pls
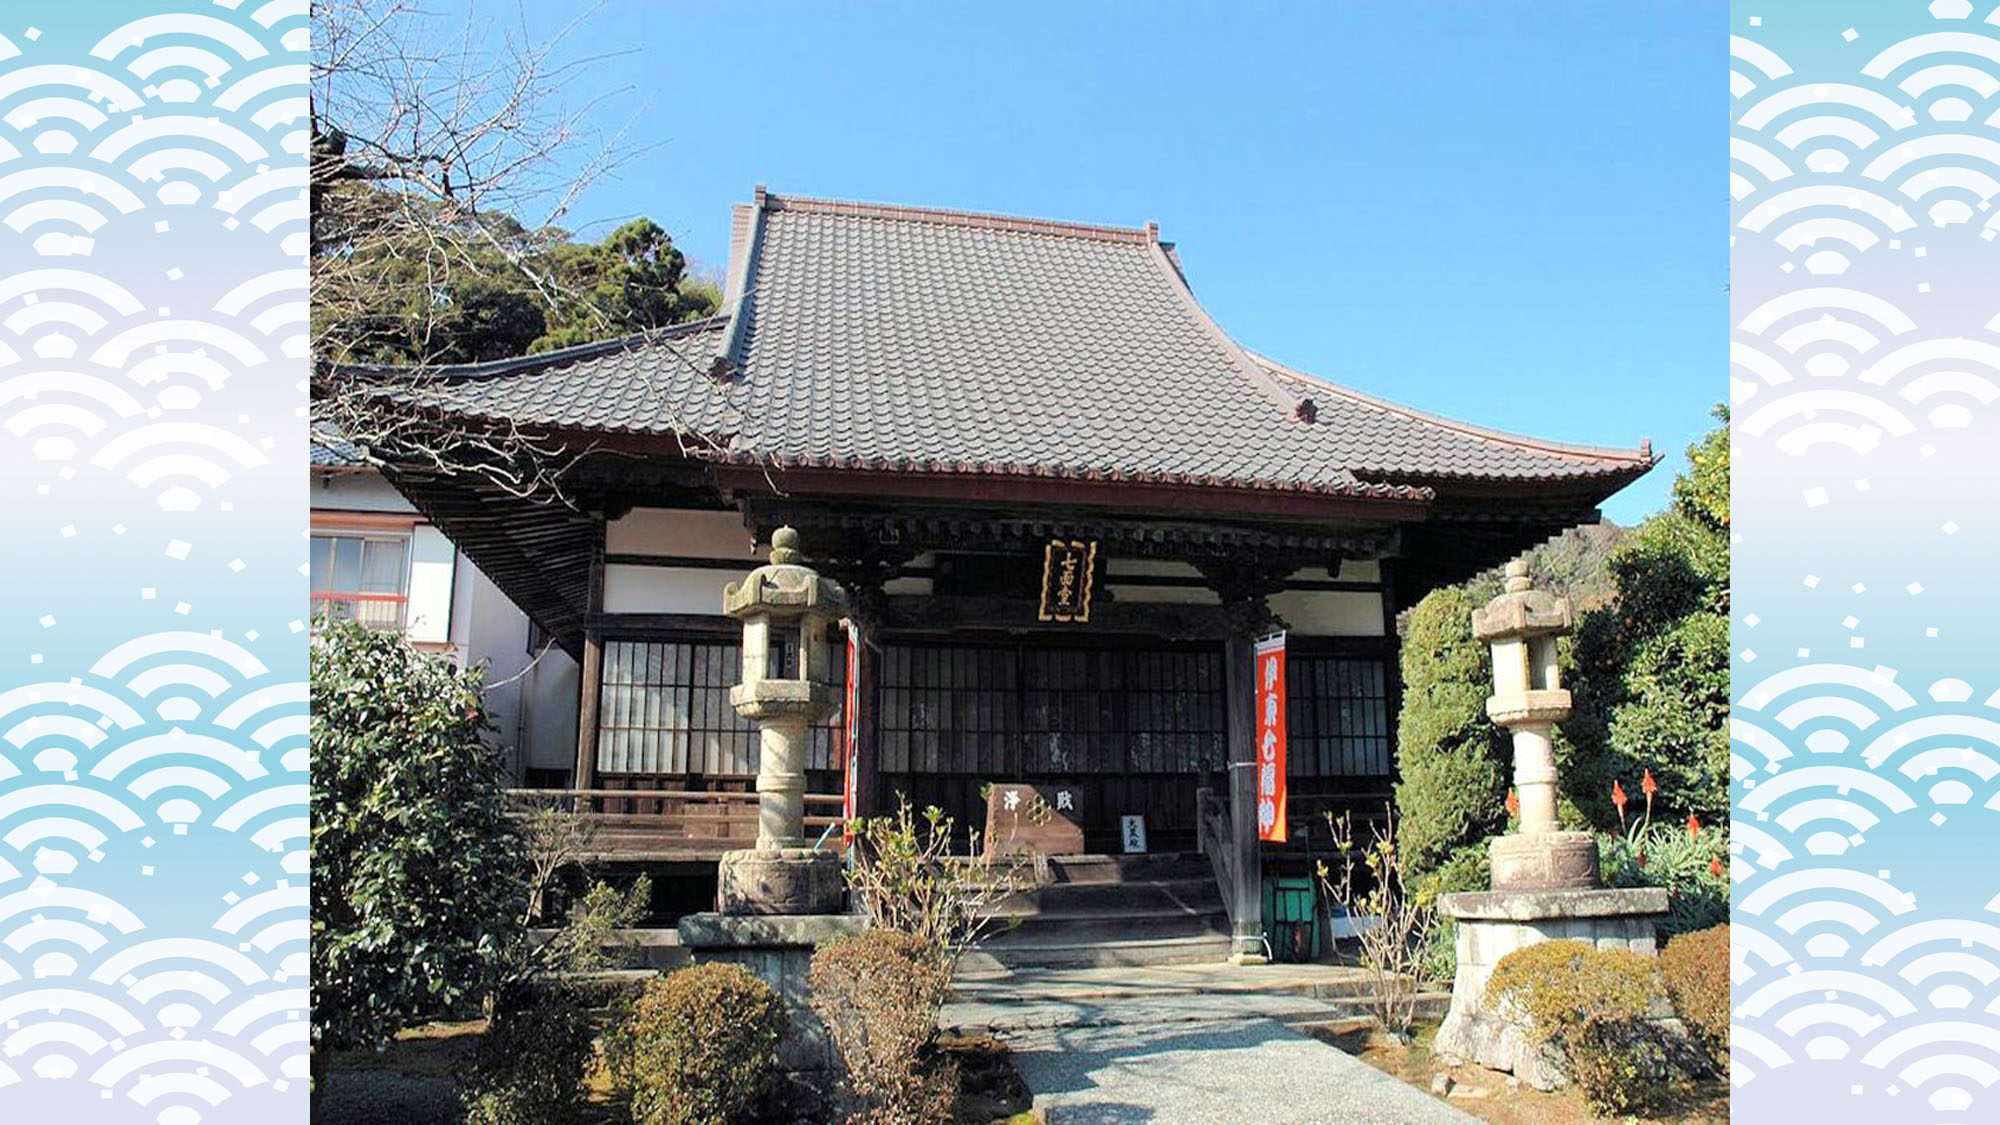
(1509, 213)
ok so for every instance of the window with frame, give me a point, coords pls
(1337, 716)
(362, 577)
(663, 709)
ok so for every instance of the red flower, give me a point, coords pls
(1694, 827)
(1513, 803)
(1618, 798)
(1715, 867)
(1648, 786)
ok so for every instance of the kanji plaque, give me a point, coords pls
(1068, 566)
(1023, 818)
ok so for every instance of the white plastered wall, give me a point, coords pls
(1310, 613)
(673, 533)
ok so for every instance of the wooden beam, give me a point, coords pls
(1127, 496)
(906, 614)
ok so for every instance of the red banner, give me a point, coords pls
(851, 726)
(1270, 702)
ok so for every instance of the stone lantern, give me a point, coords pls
(787, 610)
(1521, 626)
(1545, 881)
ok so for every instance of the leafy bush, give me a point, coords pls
(1591, 1006)
(418, 874)
(1689, 860)
(1452, 759)
(1651, 678)
(878, 992)
(698, 1046)
(905, 877)
(1468, 869)
(588, 940)
(533, 1060)
(1696, 969)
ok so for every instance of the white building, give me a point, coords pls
(375, 558)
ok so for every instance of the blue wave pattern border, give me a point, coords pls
(1865, 390)
(153, 709)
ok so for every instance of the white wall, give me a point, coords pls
(356, 492)
(1310, 613)
(675, 533)
(666, 589)
(686, 533)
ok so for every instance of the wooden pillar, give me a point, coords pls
(1246, 945)
(590, 676)
(868, 731)
(1393, 673)
(1247, 906)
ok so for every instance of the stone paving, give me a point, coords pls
(1234, 1071)
(1187, 1044)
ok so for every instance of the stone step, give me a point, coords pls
(1099, 950)
(1128, 868)
(1103, 927)
(1179, 895)
(1027, 1013)
(1317, 980)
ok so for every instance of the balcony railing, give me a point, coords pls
(672, 824)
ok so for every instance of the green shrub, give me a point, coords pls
(419, 876)
(878, 992)
(1696, 969)
(1451, 758)
(1591, 1006)
(1468, 869)
(1693, 867)
(1651, 676)
(533, 1060)
(698, 1045)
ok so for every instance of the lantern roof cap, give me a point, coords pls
(785, 587)
(1522, 611)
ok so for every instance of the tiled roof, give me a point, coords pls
(867, 336)
(327, 449)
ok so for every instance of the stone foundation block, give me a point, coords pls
(1493, 924)
(778, 950)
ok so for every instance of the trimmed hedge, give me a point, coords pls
(878, 992)
(698, 1047)
(1452, 760)
(1591, 1006)
(1696, 969)
(534, 1060)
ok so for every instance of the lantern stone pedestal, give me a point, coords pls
(780, 900)
(1546, 885)
(779, 950)
(1492, 924)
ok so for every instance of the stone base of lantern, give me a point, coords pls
(1544, 861)
(778, 950)
(1492, 924)
(789, 881)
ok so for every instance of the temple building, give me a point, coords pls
(1063, 500)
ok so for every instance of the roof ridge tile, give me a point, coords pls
(973, 220)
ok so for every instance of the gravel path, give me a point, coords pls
(1242, 1071)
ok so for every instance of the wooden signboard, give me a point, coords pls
(1034, 819)
(1068, 568)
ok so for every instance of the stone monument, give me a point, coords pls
(778, 901)
(786, 609)
(1545, 880)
